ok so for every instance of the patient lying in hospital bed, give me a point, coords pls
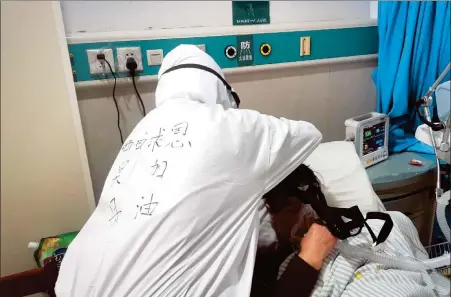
(345, 183)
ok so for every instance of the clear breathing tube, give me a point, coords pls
(441, 284)
(393, 261)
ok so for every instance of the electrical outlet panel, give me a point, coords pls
(97, 66)
(123, 53)
(287, 47)
(154, 57)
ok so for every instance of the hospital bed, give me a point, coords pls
(38, 280)
(346, 183)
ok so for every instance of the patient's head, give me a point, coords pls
(290, 217)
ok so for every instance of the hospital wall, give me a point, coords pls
(325, 94)
(102, 16)
(373, 9)
(45, 182)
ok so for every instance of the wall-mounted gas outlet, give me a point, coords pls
(123, 53)
(99, 67)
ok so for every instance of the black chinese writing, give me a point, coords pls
(159, 168)
(173, 138)
(168, 137)
(180, 128)
(178, 132)
(180, 143)
(119, 171)
(157, 140)
(114, 211)
(140, 143)
(127, 146)
(147, 208)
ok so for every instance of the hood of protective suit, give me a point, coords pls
(179, 211)
(189, 83)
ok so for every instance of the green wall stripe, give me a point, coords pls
(329, 43)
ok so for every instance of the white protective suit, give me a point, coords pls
(178, 215)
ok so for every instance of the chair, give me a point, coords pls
(39, 280)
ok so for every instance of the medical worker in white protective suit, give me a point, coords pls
(178, 215)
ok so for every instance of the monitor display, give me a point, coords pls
(373, 138)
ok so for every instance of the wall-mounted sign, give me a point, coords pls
(244, 44)
(250, 12)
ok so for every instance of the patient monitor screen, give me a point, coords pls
(373, 138)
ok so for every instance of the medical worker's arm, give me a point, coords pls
(302, 272)
(290, 143)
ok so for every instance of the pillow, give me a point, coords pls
(345, 181)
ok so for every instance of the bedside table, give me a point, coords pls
(408, 189)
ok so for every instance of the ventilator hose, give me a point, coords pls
(393, 261)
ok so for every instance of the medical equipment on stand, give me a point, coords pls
(369, 132)
(439, 136)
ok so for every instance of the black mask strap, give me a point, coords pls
(346, 222)
(386, 228)
(205, 68)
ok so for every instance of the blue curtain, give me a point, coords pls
(414, 48)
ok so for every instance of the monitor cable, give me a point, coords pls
(132, 66)
(101, 57)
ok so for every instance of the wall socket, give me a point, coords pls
(123, 53)
(99, 67)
